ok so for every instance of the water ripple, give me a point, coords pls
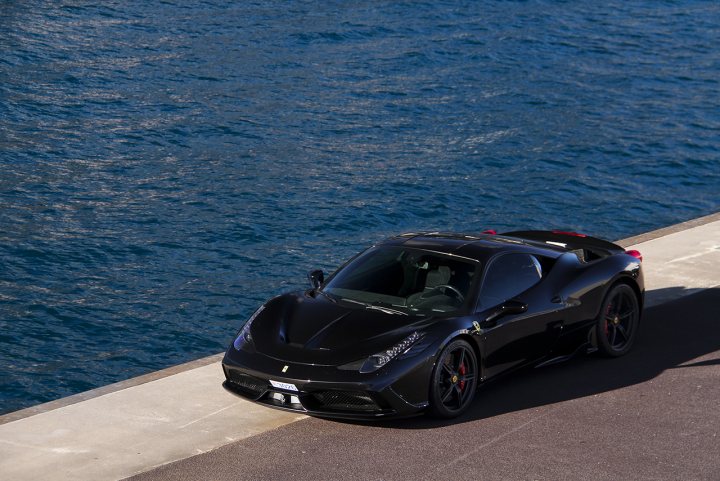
(166, 166)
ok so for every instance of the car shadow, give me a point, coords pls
(671, 335)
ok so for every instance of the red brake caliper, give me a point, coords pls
(461, 371)
(607, 313)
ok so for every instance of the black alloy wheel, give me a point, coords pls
(454, 380)
(617, 324)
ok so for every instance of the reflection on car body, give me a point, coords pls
(417, 322)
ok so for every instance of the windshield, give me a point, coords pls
(409, 280)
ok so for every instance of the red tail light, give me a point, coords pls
(636, 254)
(490, 231)
(576, 234)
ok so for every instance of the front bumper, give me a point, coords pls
(326, 391)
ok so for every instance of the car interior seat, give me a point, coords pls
(437, 277)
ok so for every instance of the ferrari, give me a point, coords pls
(418, 322)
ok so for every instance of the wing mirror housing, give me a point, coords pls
(316, 278)
(506, 308)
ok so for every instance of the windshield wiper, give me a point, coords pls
(366, 305)
(386, 310)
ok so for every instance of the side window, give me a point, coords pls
(507, 276)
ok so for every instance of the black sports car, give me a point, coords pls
(417, 322)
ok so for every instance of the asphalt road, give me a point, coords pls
(651, 415)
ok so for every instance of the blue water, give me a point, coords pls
(166, 166)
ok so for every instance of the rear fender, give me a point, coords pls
(588, 284)
(624, 269)
(634, 281)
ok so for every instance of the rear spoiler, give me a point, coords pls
(568, 240)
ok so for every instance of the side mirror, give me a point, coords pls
(504, 309)
(316, 278)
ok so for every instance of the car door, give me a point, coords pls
(515, 339)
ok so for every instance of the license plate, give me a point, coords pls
(284, 385)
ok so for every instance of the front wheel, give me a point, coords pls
(617, 323)
(454, 379)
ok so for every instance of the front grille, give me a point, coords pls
(345, 400)
(249, 384)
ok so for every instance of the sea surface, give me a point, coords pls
(167, 166)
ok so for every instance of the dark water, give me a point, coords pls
(166, 166)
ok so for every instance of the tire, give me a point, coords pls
(617, 324)
(454, 380)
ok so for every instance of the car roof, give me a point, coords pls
(479, 247)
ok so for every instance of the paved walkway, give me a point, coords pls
(142, 423)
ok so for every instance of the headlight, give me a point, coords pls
(376, 361)
(244, 335)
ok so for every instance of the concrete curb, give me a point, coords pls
(110, 388)
(664, 231)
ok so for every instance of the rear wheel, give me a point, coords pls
(454, 379)
(617, 324)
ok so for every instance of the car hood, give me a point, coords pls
(304, 329)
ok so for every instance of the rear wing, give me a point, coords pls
(586, 247)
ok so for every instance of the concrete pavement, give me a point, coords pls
(679, 260)
(651, 415)
(127, 431)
